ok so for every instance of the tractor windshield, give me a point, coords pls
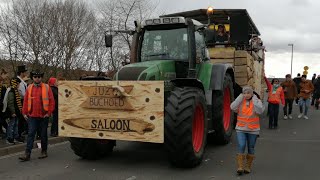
(165, 45)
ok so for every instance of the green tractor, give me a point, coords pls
(175, 50)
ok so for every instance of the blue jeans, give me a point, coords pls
(305, 103)
(33, 125)
(12, 131)
(246, 138)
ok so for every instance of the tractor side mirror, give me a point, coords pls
(108, 40)
(210, 36)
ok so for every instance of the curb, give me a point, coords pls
(22, 147)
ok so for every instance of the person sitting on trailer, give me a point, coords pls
(222, 35)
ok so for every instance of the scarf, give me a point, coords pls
(274, 88)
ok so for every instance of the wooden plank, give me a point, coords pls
(221, 61)
(221, 53)
(241, 54)
(94, 109)
(240, 61)
(241, 81)
(241, 74)
(240, 69)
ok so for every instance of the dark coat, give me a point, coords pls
(297, 80)
(317, 88)
(13, 107)
(54, 90)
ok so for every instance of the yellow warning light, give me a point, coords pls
(210, 10)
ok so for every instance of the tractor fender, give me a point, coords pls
(190, 82)
(219, 71)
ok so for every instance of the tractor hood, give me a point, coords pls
(148, 70)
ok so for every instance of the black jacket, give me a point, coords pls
(317, 88)
(297, 80)
(54, 90)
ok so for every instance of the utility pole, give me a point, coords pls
(291, 55)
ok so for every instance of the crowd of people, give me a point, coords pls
(248, 108)
(26, 107)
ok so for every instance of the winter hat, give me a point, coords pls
(247, 89)
(52, 81)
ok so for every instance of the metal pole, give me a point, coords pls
(291, 56)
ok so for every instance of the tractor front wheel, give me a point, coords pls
(91, 149)
(222, 115)
(186, 126)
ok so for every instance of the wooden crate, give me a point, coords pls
(221, 53)
(92, 109)
(222, 61)
(248, 71)
(240, 61)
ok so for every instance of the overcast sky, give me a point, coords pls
(280, 22)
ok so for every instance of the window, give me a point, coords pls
(169, 44)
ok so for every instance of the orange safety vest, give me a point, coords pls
(275, 98)
(247, 118)
(45, 96)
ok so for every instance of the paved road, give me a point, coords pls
(291, 152)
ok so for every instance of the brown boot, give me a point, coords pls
(43, 155)
(240, 162)
(250, 158)
(24, 158)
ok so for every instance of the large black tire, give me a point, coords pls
(185, 133)
(221, 113)
(91, 149)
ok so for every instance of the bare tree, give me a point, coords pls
(64, 35)
(120, 15)
(12, 49)
(48, 34)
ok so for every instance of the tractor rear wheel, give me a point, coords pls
(91, 149)
(186, 126)
(222, 115)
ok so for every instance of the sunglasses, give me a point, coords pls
(36, 76)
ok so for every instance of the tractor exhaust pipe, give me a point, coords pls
(192, 52)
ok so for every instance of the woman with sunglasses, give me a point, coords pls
(275, 97)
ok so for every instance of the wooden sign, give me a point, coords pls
(130, 110)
